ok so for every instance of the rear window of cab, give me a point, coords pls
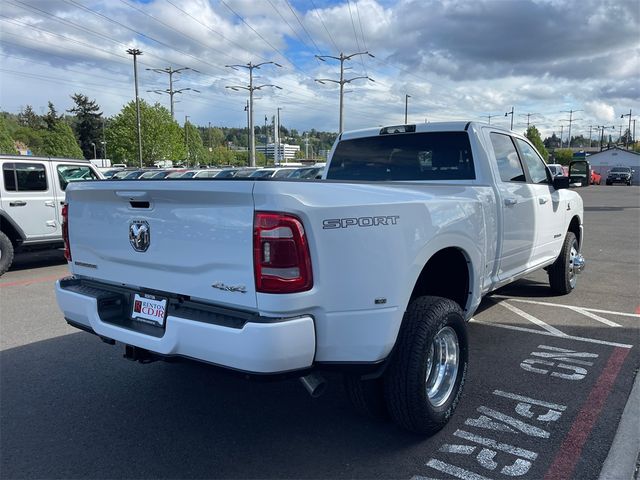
(410, 156)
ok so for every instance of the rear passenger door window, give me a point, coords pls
(509, 165)
(24, 177)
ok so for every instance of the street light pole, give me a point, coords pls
(95, 156)
(135, 52)
(186, 137)
(510, 113)
(406, 107)
(342, 58)
(250, 66)
(627, 139)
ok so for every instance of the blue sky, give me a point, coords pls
(457, 59)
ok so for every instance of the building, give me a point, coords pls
(286, 152)
(604, 161)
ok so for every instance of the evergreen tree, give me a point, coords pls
(29, 118)
(51, 118)
(88, 123)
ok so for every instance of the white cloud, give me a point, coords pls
(600, 110)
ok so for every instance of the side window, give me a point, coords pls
(74, 173)
(507, 158)
(534, 163)
(24, 177)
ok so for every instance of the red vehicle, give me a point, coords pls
(596, 178)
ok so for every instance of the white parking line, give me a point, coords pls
(598, 318)
(532, 319)
(549, 334)
(571, 307)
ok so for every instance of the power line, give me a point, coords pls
(316, 10)
(302, 25)
(355, 34)
(288, 24)
(171, 91)
(166, 45)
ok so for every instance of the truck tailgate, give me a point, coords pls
(199, 237)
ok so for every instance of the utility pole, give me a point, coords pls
(570, 120)
(528, 115)
(209, 132)
(406, 105)
(104, 141)
(186, 137)
(250, 66)
(306, 145)
(342, 58)
(627, 139)
(484, 116)
(510, 113)
(590, 126)
(266, 140)
(135, 52)
(246, 109)
(170, 91)
(278, 137)
(561, 133)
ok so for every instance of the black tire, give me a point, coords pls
(608, 183)
(6, 253)
(406, 379)
(561, 275)
(367, 396)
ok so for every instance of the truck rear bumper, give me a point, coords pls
(270, 347)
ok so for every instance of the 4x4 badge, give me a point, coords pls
(139, 235)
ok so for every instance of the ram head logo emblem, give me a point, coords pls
(139, 235)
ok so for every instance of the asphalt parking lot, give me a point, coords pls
(548, 380)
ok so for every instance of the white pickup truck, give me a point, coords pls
(373, 270)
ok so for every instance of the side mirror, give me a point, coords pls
(561, 182)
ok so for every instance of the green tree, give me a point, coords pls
(220, 156)
(534, 137)
(195, 151)
(60, 142)
(52, 118)
(29, 118)
(162, 137)
(88, 121)
(7, 144)
(563, 156)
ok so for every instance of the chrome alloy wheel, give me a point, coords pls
(572, 270)
(442, 366)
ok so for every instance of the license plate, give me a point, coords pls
(149, 309)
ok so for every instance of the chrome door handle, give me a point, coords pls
(18, 203)
(543, 200)
(510, 201)
(49, 203)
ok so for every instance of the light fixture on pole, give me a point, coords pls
(250, 66)
(95, 156)
(510, 113)
(135, 52)
(342, 58)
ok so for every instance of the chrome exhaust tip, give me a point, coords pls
(314, 384)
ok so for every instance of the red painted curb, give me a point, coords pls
(565, 462)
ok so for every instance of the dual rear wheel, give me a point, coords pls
(423, 381)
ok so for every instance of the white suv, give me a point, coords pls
(31, 199)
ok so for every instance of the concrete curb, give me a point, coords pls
(621, 461)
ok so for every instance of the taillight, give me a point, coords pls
(280, 254)
(65, 232)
